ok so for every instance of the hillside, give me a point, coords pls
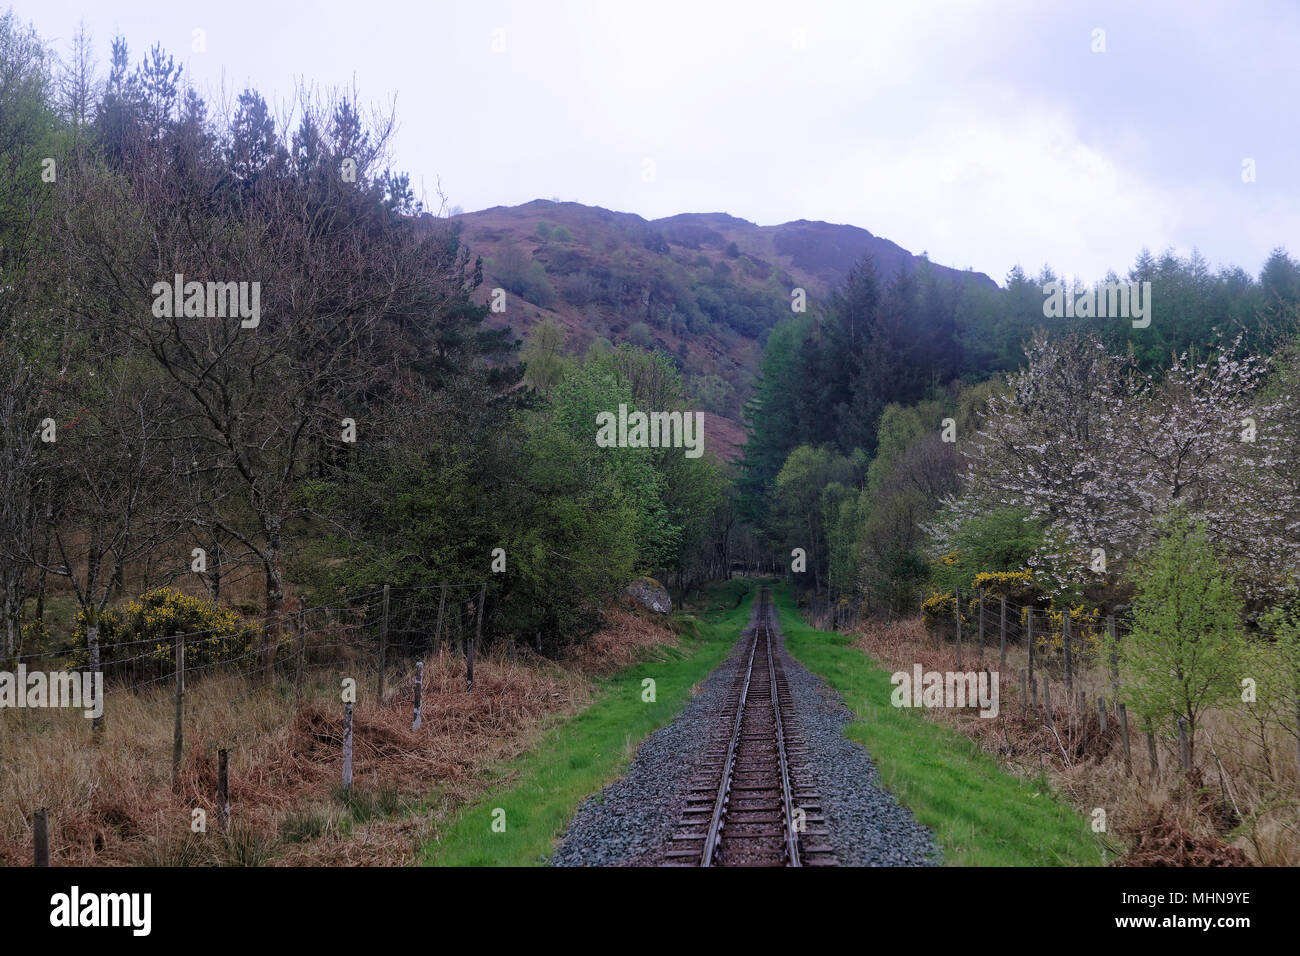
(704, 287)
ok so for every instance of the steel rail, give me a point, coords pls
(714, 836)
(787, 799)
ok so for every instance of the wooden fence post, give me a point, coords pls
(419, 692)
(92, 643)
(347, 746)
(1029, 640)
(1184, 746)
(1114, 654)
(1151, 752)
(437, 630)
(1024, 687)
(1123, 730)
(460, 628)
(981, 638)
(40, 838)
(1047, 699)
(1033, 690)
(383, 646)
(178, 730)
(223, 788)
(957, 604)
(1297, 742)
(1069, 658)
(302, 653)
(1101, 712)
(478, 625)
(1002, 630)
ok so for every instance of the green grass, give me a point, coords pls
(593, 748)
(980, 814)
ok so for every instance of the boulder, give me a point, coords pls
(651, 595)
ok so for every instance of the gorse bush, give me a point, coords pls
(1016, 586)
(940, 611)
(141, 632)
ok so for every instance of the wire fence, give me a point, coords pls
(973, 618)
(384, 635)
(369, 633)
(1067, 662)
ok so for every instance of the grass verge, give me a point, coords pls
(536, 795)
(980, 814)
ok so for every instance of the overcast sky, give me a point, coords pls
(987, 134)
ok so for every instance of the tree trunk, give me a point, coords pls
(92, 645)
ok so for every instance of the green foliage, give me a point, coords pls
(524, 276)
(598, 386)
(809, 489)
(638, 334)
(1184, 653)
(576, 520)
(1275, 668)
(999, 541)
(713, 393)
(543, 356)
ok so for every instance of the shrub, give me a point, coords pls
(1004, 582)
(639, 335)
(940, 612)
(1087, 630)
(141, 632)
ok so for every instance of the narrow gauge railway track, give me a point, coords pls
(750, 803)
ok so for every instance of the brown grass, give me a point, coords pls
(628, 636)
(112, 801)
(1235, 808)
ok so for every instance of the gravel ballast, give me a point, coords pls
(631, 821)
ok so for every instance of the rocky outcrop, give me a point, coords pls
(651, 595)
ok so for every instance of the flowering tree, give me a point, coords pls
(1099, 454)
(1047, 446)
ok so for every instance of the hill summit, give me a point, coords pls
(703, 287)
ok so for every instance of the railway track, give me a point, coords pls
(750, 803)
